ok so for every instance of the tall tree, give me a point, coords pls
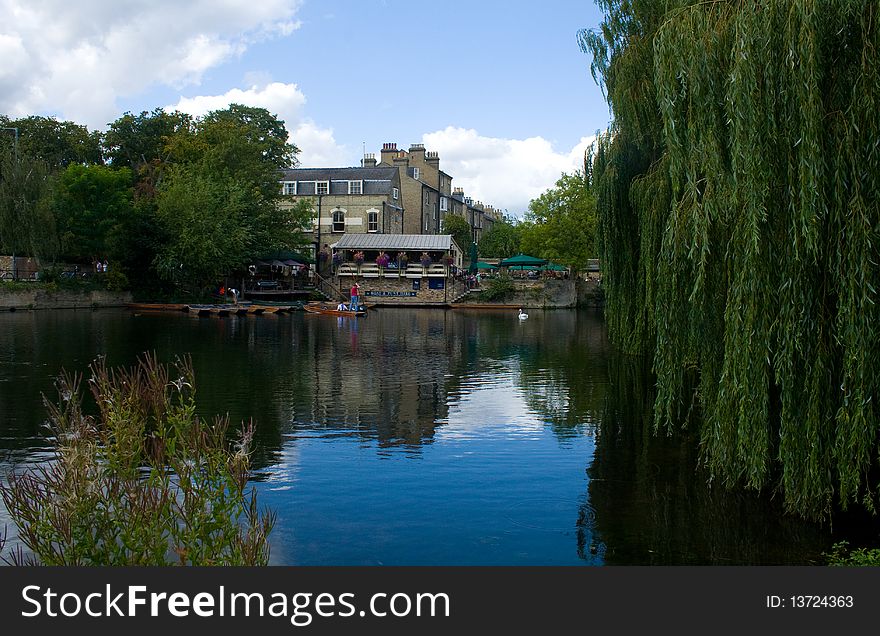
(460, 230)
(27, 227)
(219, 201)
(502, 240)
(738, 211)
(561, 223)
(91, 204)
(56, 143)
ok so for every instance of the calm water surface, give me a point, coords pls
(427, 437)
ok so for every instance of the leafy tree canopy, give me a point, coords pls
(561, 223)
(502, 240)
(57, 143)
(460, 230)
(91, 203)
(738, 223)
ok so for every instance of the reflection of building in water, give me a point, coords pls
(384, 375)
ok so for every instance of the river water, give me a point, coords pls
(427, 436)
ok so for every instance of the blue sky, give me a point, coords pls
(499, 89)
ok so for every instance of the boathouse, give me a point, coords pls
(399, 269)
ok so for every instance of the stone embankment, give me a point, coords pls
(549, 294)
(45, 299)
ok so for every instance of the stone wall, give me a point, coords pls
(45, 299)
(590, 294)
(398, 291)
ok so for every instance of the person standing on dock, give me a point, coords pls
(355, 292)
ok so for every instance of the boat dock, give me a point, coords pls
(240, 309)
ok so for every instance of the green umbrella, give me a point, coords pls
(523, 259)
(482, 265)
(473, 268)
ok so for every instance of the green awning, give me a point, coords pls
(482, 265)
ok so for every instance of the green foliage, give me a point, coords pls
(460, 230)
(27, 226)
(147, 482)
(502, 240)
(56, 143)
(91, 203)
(218, 204)
(738, 224)
(841, 555)
(560, 225)
(499, 288)
(138, 141)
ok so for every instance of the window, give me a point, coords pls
(355, 187)
(427, 199)
(288, 187)
(322, 187)
(372, 220)
(395, 193)
(416, 173)
(339, 220)
(443, 204)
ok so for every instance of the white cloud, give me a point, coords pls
(317, 145)
(505, 173)
(75, 59)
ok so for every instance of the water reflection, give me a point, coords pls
(427, 436)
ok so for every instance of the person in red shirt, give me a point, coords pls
(355, 292)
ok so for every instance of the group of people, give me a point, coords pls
(101, 267)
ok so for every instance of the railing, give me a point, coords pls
(329, 289)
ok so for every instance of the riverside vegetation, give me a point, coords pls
(738, 222)
(147, 482)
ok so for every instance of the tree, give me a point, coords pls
(136, 141)
(737, 205)
(27, 226)
(56, 143)
(91, 204)
(561, 223)
(460, 230)
(502, 240)
(218, 204)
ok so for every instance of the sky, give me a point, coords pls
(499, 89)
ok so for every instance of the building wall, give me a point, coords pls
(390, 291)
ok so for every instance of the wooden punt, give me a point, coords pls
(330, 310)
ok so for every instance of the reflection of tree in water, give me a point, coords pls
(653, 505)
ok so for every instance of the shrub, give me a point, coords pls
(146, 482)
(499, 288)
(860, 557)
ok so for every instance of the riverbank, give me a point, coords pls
(40, 298)
(544, 294)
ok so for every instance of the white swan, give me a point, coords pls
(522, 316)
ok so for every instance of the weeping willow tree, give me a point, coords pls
(738, 209)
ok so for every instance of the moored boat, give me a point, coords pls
(331, 310)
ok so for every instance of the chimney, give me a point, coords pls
(433, 160)
(369, 160)
(389, 153)
(417, 151)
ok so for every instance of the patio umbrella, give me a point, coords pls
(482, 265)
(523, 259)
(473, 268)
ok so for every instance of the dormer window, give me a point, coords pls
(288, 188)
(322, 187)
(355, 187)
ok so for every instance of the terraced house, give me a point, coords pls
(347, 200)
(404, 192)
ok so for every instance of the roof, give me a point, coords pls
(403, 242)
(380, 173)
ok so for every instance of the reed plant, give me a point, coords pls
(145, 481)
